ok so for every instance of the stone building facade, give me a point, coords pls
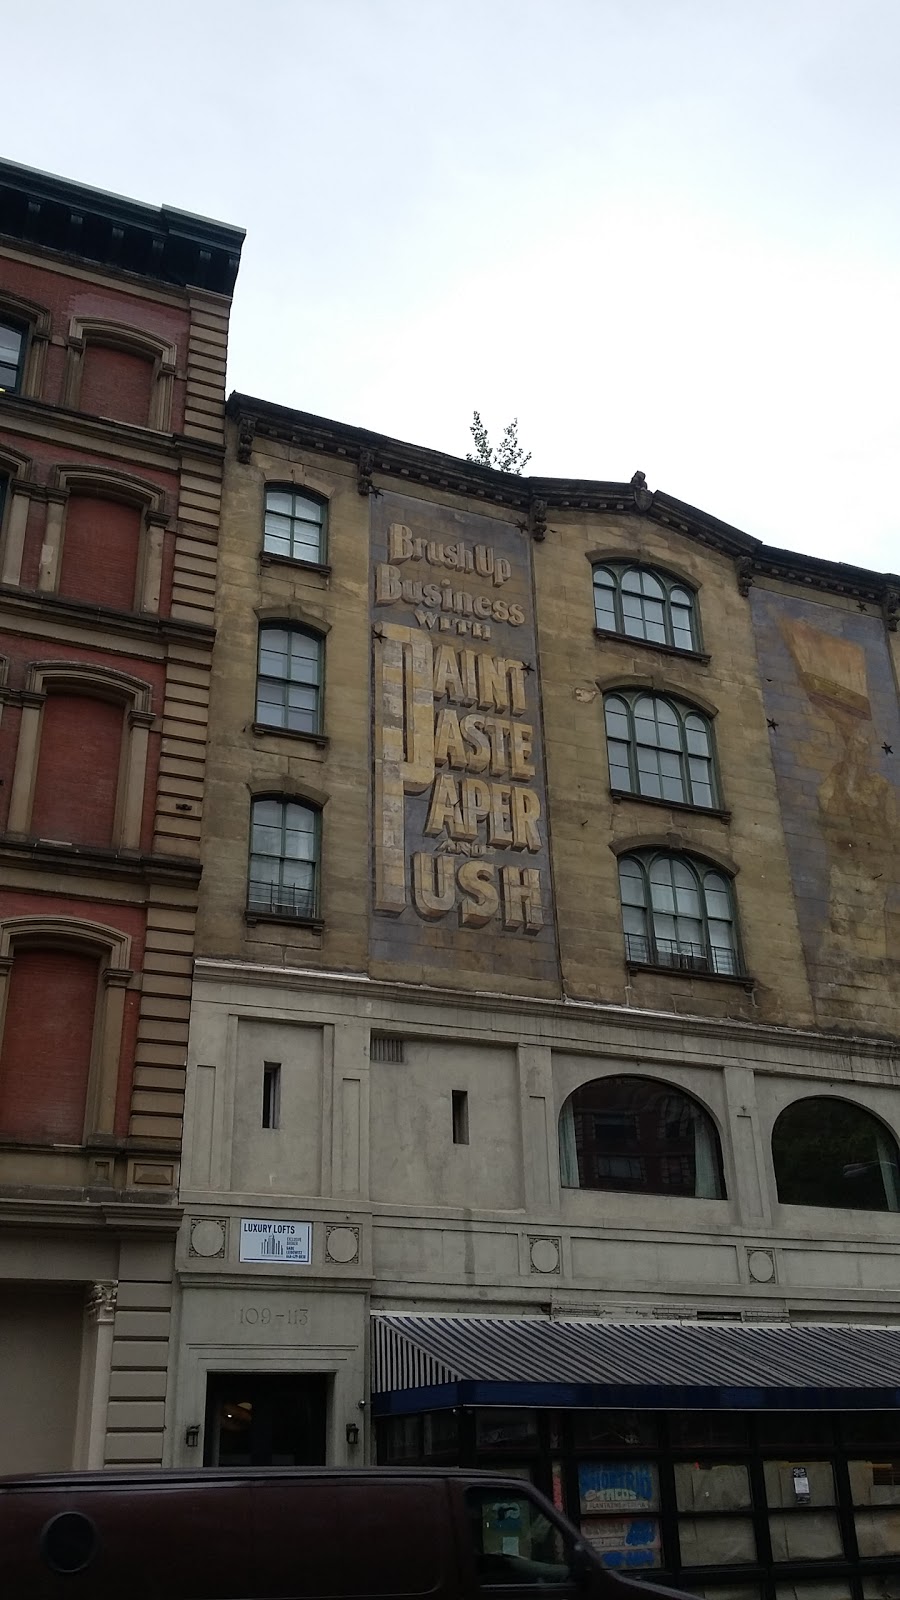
(546, 980)
(113, 329)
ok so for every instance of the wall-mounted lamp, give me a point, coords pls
(192, 1436)
(352, 1431)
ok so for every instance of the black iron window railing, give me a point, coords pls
(683, 955)
(281, 899)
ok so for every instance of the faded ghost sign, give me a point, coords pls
(460, 821)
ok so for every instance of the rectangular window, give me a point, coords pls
(289, 680)
(284, 859)
(12, 349)
(294, 526)
(460, 1107)
(271, 1094)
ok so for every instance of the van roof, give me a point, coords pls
(119, 1477)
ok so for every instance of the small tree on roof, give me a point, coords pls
(508, 456)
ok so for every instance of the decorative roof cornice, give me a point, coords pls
(537, 498)
(161, 243)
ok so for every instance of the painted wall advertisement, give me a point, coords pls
(461, 866)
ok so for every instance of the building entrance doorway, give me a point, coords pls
(265, 1420)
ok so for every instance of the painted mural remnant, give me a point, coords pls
(829, 689)
(459, 801)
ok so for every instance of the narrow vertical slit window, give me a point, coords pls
(460, 1111)
(271, 1094)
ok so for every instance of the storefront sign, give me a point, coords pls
(276, 1241)
(459, 807)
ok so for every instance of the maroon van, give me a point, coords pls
(292, 1534)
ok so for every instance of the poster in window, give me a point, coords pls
(617, 1486)
(624, 1541)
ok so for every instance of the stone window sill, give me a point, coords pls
(661, 969)
(672, 805)
(320, 739)
(607, 634)
(281, 917)
(269, 558)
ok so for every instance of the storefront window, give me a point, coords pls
(708, 1430)
(690, 1497)
(716, 1541)
(505, 1431)
(440, 1440)
(805, 1535)
(789, 1430)
(814, 1589)
(599, 1430)
(631, 1543)
(871, 1428)
(606, 1490)
(727, 1591)
(403, 1440)
(792, 1483)
(711, 1486)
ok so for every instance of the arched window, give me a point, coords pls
(284, 859)
(644, 604)
(639, 1136)
(294, 524)
(678, 912)
(830, 1152)
(660, 748)
(289, 682)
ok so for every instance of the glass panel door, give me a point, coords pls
(265, 1420)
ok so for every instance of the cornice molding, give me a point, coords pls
(131, 624)
(536, 499)
(86, 862)
(218, 970)
(155, 243)
(73, 1214)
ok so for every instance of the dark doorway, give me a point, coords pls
(265, 1420)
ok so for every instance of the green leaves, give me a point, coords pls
(508, 456)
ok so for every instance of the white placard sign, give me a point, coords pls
(266, 1240)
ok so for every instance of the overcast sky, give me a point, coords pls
(664, 233)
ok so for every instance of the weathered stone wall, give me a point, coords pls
(831, 699)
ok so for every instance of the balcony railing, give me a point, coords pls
(280, 900)
(683, 955)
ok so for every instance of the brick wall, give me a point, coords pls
(116, 383)
(100, 552)
(78, 769)
(47, 1039)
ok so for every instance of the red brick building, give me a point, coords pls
(113, 330)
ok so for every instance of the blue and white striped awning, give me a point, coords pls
(428, 1361)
